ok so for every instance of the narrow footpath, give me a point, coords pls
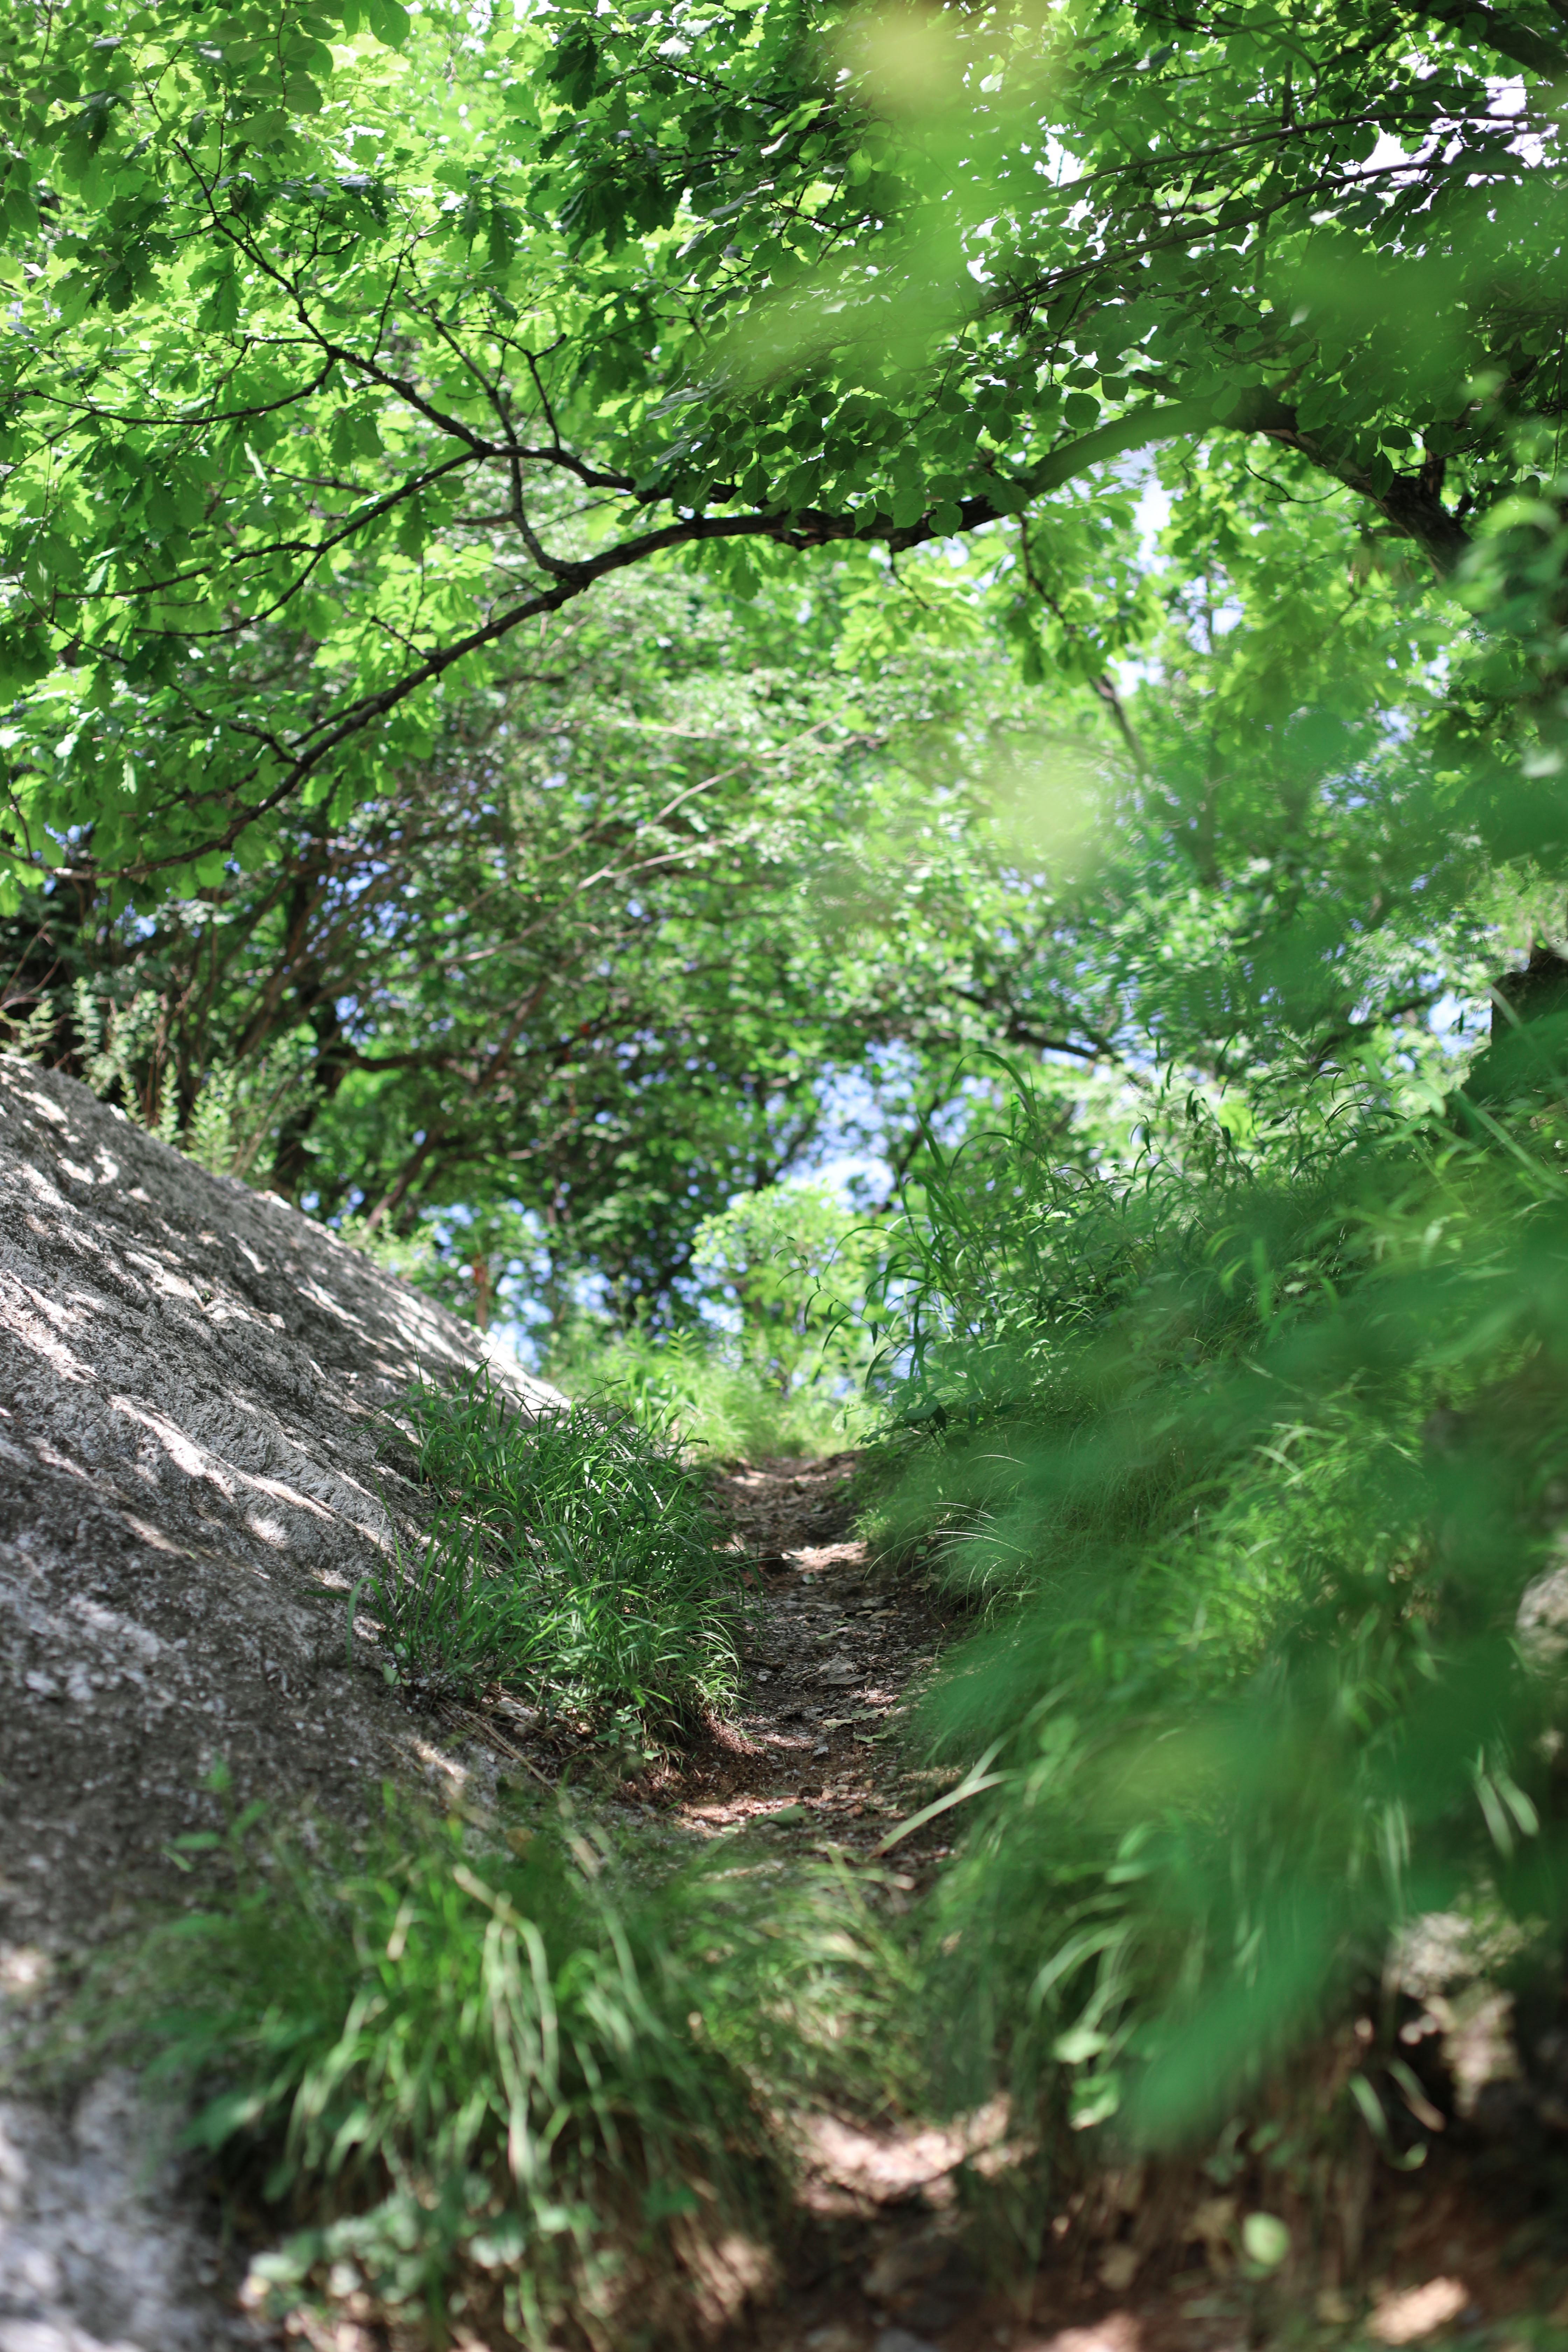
(833, 1650)
(835, 1653)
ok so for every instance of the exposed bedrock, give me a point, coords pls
(191, 1382)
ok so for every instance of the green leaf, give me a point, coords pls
(1266, 2240)
(1080, 2042)
(389, 20)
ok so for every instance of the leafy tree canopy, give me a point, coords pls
(698, 889)
(344, 343)
(579, 972)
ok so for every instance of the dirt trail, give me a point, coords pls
(1145, 2259)
(832, 1649)
(836, 1649)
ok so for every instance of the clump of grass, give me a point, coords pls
(511, 2086)
(480, 2080)
(574, 1558)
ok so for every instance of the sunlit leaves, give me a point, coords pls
(361, 301)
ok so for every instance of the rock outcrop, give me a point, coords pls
(192, 1382)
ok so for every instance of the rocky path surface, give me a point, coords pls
(192, 1379)
(834, 1649)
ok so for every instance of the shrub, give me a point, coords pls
(1248, 1468)
(697, 1387)
(794, 1262)
(776, 1365)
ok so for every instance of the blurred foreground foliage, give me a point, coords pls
(1253, 1465)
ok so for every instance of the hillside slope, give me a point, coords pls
(190, 1379)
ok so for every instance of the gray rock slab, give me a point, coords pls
(192, 1383)
(194, 1387)
(100, 2250)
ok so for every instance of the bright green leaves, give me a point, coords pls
(354, 433)
(1156, 295)
(84, 132)
(355, 304)
(218, 280)
(629, 198)
(167, 290)
(388, 20)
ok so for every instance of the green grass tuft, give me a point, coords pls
(480, 2077)
(514, 2087)
(574, 1558)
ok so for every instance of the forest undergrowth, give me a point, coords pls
(1234, 1498)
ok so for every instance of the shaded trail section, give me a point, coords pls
(834, 1647)
(1137, 2258)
